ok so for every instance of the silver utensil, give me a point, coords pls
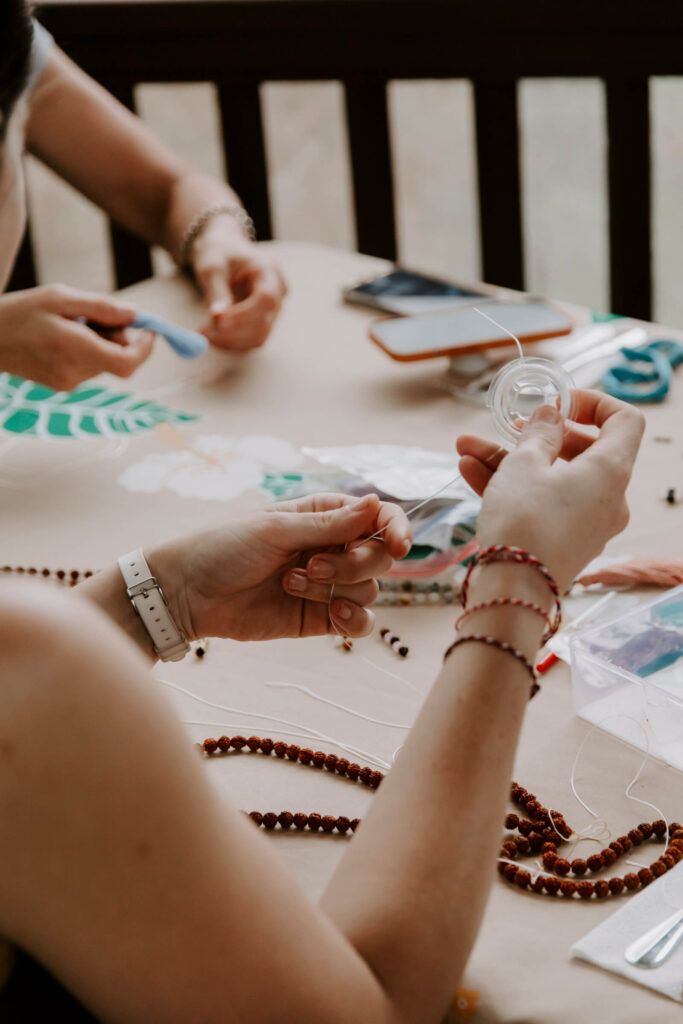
(653, 948)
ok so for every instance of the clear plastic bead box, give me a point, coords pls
(627, 676)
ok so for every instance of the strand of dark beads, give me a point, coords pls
(67, 579)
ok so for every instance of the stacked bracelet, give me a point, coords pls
(500, 645)
(514, 602)
(506, 553)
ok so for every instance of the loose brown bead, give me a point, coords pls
(364, 775)
(375, 779)
(267, 745)
(523, 845)
(645, 829)
(579, 867)
(616, 847)
(551, 885)
(549, 847)
(625, 843)
(256, 816)
(601, 888)
(658, 869)
(533, 807)
(511, 821)
(355, 822)
(286, 819)
(567, 887)
(254, 742)
(269, 820)
(343, 824)
(635, 836)
(585, 890)
(525, 827)
(237, 742)
(280, 748)
(595, 862)
(631, 881)
(616, 886)
(300, 820)
(675, 854)
(675, 827)
(328, 823)
(522, 879)
(536, 841)
(292, 752)
(353, 771)
(669, 861)
(510, 872)
(318, 759)
(550, 859)
(645, 876)
(609, 857)
(224, 744)
(342, 765)
(305, 755)
(314, 821)
(659, 827)
(562, 866)
(210, 746)
(331, 762)
(60, 574)
(509, 849)
(537, 884)
(515, 792)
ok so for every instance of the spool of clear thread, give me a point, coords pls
(520, 387)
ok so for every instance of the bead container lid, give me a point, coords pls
(520, 387)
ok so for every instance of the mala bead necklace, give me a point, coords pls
(544, 831)
(393, 592)
(67, 579)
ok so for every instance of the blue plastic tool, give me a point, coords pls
(652, 381)
(187, 344)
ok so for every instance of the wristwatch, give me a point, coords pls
(147, 597)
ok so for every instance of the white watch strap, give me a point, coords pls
(149, 602)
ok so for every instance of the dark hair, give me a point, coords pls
(16, 37)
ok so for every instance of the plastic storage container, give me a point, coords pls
(627, 676)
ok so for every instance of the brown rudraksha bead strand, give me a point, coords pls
(68, 578)
(303, 755)
(544, 831)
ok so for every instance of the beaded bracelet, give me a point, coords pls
(500, 645)
(202, 219)
(518, 556)
(515, 602)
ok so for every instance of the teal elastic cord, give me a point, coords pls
(651, 383)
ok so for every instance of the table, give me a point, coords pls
(320, 381)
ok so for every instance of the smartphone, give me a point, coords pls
(464, 331)
(409, 294)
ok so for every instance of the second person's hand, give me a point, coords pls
(43, 336)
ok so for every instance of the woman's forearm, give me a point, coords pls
(109, 155)
(411, 890)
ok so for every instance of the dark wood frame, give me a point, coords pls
(366, 43)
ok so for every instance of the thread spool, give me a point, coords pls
(520, 387)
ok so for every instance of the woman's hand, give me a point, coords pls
(43, 339)
(273, 574)
(242, 287)
(564, 512)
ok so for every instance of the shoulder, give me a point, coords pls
(41, 51)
